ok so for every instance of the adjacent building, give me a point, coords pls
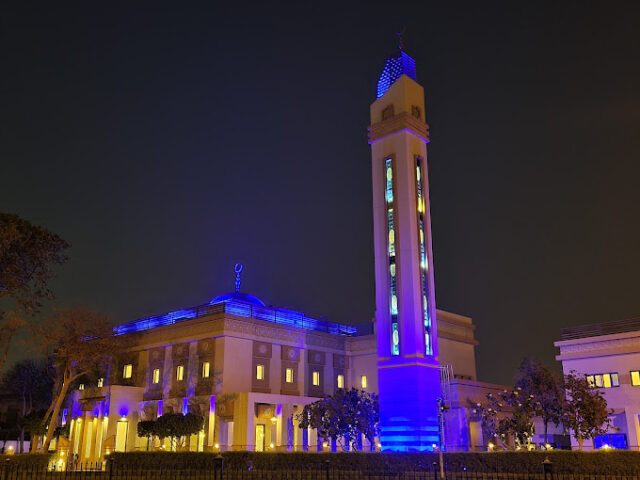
(608, 354)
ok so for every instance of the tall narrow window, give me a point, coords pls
(127, 371)
(391, 252)
(206, 366)
(423, 259)
(316, 379)
(100, 382)
(81, 386)
(260, 372)
(156, 375)
(180, 373)
(340, 381)
(363, 381)
(288, 375)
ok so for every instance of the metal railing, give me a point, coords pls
(597, 329)
(216, 471)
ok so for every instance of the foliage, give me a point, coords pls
(595, 463)
(27, 254)
(80, 342)
(147, 428)
(509, 414)
(31, 381)
(546, 390)
(344, 415)
(585, 412)
(26, 459)
(33, 422)
(177, 426)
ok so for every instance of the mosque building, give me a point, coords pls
(249, 368)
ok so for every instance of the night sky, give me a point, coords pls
(168, 142)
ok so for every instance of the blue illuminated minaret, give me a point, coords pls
(408, 369)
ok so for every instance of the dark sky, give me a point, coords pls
(166, 142)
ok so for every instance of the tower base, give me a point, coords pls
(408, 407)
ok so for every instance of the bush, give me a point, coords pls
(26, 459)
(613, 462)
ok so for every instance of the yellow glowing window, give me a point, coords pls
(598, 379)
(156, 375)
(316, 378)
(635, 378)
(606, 380)
(591, 380)
(288, 375)
(260, 372)
(100, 382)
(81, 386)
(180, 373)
(340, 381)
(206, 366)
(363, 381)
(127, 371)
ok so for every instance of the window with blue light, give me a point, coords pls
(611, 440)
(391, 251)
(423, 260)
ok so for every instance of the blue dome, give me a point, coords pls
(238, 296)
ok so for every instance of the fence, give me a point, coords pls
(102, 471)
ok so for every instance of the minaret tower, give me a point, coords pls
(408, 369)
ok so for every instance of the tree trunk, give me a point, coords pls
(54, 416)
(546, 429)
(580, 442)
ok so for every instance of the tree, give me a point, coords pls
(537, 381)
(27, 255)
(177, 427)
(147, 428)
(80, 342)
(345, 415)
(31, 382)
(585, 411)
(508, 414)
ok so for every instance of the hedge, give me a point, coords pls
(612, 462)
(22, 459)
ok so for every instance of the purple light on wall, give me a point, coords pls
(279, 410)
(212, 405)
(64, 416)
(159, 412)
(123, 411)
(185, 405)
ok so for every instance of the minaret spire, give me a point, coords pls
(238, 269)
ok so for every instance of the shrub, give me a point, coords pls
(613, 462)
(26, 459)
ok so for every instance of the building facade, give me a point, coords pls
(608, 354)
(249, 368)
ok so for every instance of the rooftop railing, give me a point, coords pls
(597, 329)
(241, 309)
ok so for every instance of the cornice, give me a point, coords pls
(396, 123)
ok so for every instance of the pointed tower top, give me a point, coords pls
(396, 65)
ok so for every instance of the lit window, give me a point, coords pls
(615, 380)
(127, 371)
(599, 382)
(288, 375)
(635, 378)
(591, 381)
(260, 372)
(363, 381)
(606, 380)
(316, 378)
(180, 373)
(340, 381)
(81, 386)
(100, 382)
(205, 369)
(156, 375)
